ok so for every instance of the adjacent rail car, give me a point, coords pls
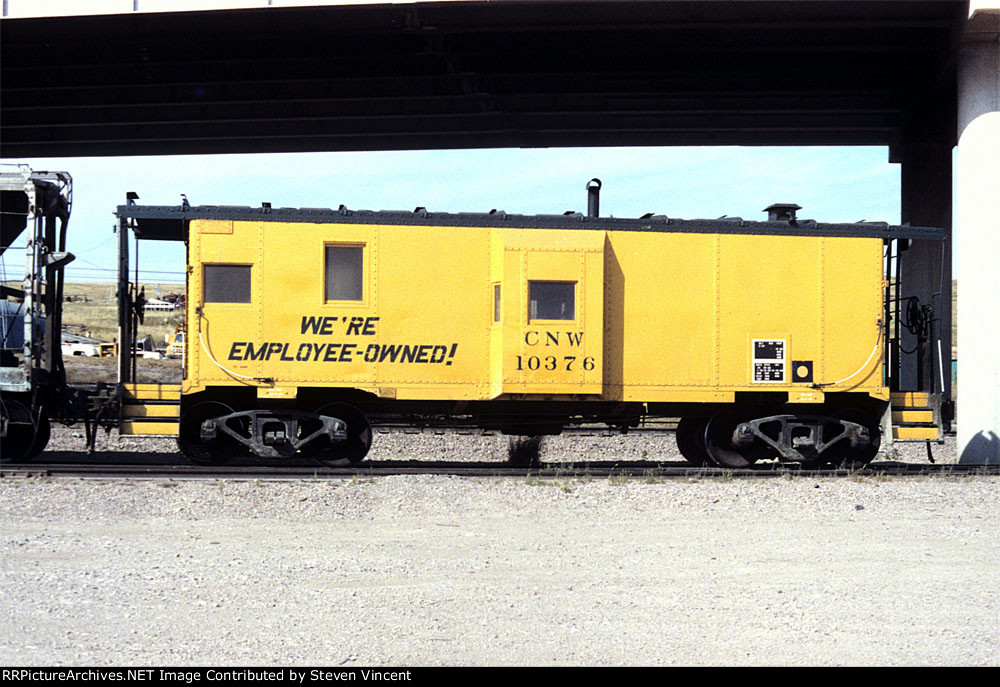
(36, 206)
(307, 327)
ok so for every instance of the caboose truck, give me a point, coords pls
(307, 327)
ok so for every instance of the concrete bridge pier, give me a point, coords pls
(977, 238)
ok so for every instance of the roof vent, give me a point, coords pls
(781, 212)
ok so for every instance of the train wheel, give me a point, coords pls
(43, 430)
(721, 447)
(842, 454)
(691, 440)
(201, 451)
(25, 438)
(354, 448)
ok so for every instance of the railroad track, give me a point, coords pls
(170, 469)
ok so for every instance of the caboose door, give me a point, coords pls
(548, 318)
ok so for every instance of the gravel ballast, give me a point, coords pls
(438, 570)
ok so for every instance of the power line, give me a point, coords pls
(102, 270)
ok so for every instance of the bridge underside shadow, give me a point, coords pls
(474, 75)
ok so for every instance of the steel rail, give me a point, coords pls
(606, 469)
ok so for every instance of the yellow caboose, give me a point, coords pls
(305, 328)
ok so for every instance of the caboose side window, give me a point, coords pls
(345, 273)
(496, 302)
(552, 300)
(227, 283)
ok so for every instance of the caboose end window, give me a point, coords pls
(552, 300)
(345, 273)
(227, 283)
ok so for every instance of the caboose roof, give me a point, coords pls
(171, 222)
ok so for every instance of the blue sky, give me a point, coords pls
(832, 184)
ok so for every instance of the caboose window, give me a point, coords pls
(496, 302)
(345, 273)
(552, 300)
(227, 283)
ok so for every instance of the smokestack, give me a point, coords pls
(594, 198)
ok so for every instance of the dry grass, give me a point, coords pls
(98, 315)
(93, 311)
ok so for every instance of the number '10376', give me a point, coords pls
(551, 362)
